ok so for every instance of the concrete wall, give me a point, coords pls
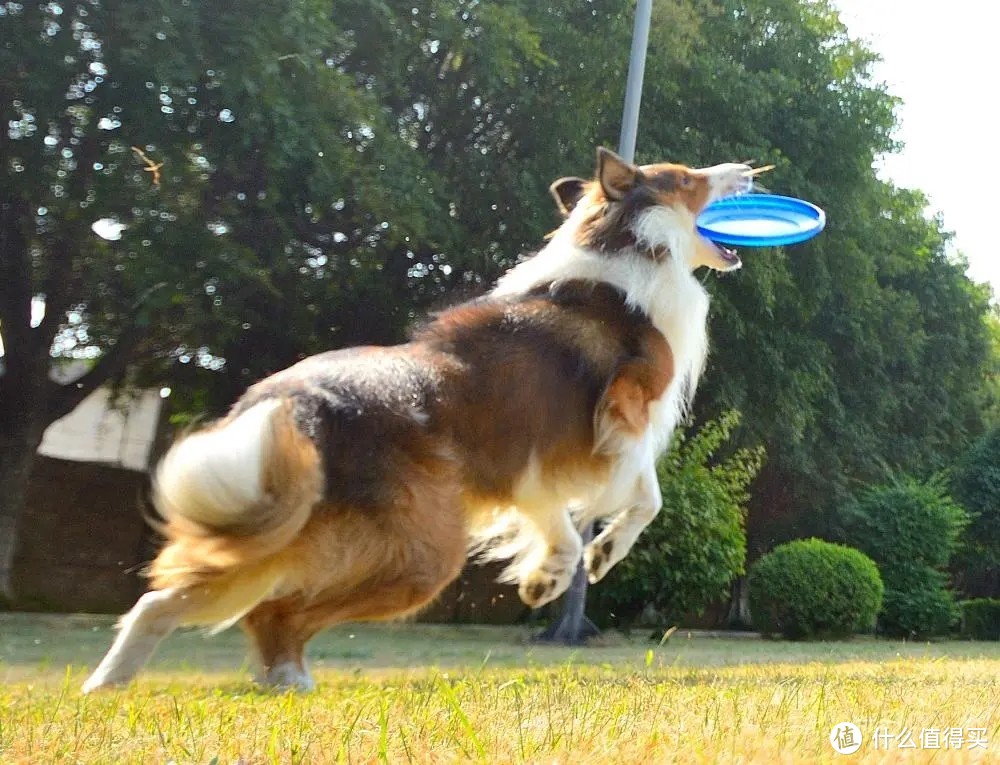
(82, 538)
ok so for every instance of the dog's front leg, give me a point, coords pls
(617, 538)
(549, 570)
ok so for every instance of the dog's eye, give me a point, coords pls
(685, 181)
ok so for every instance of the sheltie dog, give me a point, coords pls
(352, 485)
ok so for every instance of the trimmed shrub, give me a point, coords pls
(917, 603)
(981, 619)
(910, 529)
(696, 546)
(814, 589)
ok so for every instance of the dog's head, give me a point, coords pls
(649, 209)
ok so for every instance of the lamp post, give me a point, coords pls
(633, 84)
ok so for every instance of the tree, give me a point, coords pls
(244, 175)
(991, 393)
(865, 349)
(331, 170)
(273, 192)
(884, 372)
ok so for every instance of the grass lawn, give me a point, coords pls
(420, 693)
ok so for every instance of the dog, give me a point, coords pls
(352, 485)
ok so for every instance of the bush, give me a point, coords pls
(910, 529)
(906, 522)
(696, 546)
(981, 619)
(917, 603)
(814, 589)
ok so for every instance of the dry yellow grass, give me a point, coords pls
(413, 693)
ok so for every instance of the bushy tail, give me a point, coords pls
(233, 494)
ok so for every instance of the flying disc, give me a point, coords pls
(760, 220)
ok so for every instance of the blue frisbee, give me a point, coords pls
(760, 220)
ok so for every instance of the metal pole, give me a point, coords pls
(633, 85)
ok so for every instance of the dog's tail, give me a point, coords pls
(234, 495)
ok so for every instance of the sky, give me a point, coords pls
(941, 59)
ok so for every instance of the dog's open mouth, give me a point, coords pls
(728, 256)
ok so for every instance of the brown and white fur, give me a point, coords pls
(352, 485)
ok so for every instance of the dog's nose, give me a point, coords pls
(729, 178)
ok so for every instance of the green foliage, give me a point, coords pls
(991, 393)
(275, 223)
(975, 484)
(694, 548)
(814, 589)
(911, 529)
(981, 618)
(907, 522)
(917, 603)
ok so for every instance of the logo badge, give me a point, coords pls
(845, 738)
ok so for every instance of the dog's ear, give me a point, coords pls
(567, 192)
(616, 176)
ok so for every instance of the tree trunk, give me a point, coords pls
(739, 616)
(573, 627)
(17, 455)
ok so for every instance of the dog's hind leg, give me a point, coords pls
(279, 630)
(154, 616)
(217, 602)
(372, 569)
(276, 634)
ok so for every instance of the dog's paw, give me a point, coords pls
(544, 585)
(598, 558)
(288, 676)
(99, 681)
